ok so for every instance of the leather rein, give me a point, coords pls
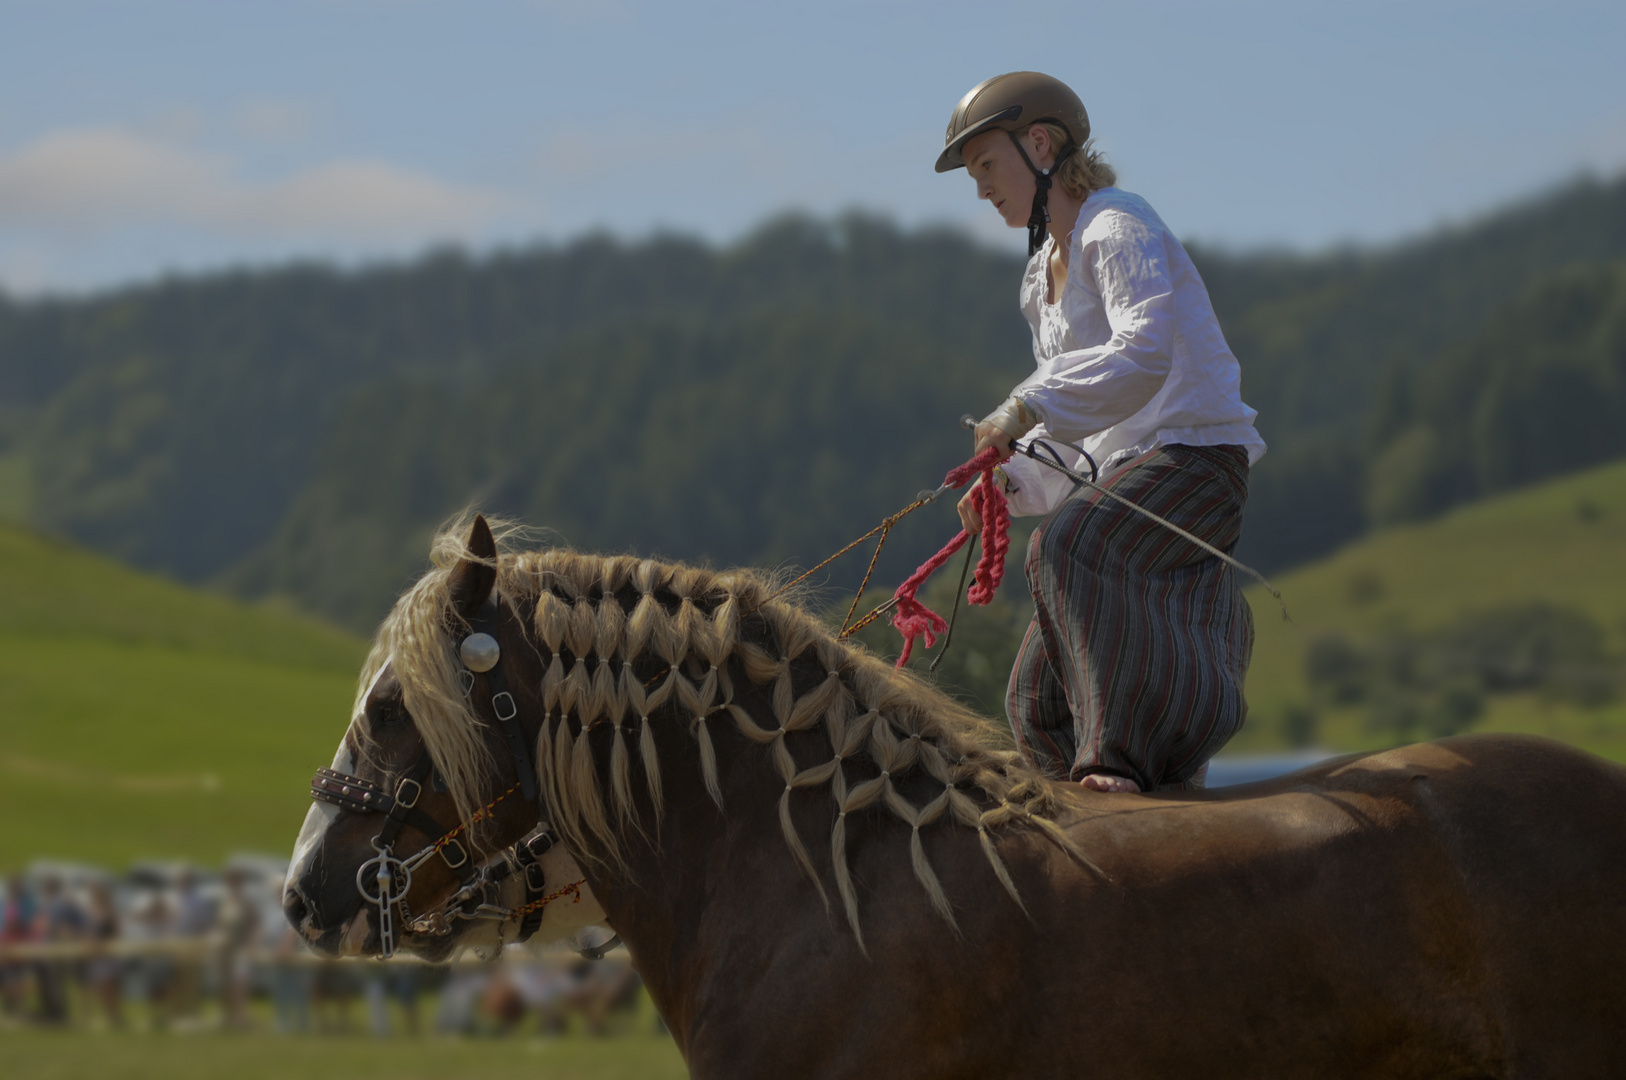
(385, 879)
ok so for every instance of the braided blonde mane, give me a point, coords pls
(690, 620)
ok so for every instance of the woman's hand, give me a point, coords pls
(1004, 426)
(970, 520)
(987, 435)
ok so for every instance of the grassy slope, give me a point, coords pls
(62, 1055)
(1531, 544)
(140, 719)
(15, 499)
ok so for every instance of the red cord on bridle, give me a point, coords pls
(914, 619)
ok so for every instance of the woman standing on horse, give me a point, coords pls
(1130, 676)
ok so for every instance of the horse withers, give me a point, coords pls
(823, 868)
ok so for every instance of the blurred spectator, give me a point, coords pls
(194, 919)
(292, 979)
(239, 926)
(333, 992)
(168, 939)
(399, 981)
(152, 974)
(58, 920)
(464, 987)
(602, 987)
(16, 927)
(502, 1002)
(104, 970)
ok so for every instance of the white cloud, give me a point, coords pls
(103, 179)
(368, 197)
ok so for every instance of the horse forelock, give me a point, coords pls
(596, 617)
(415, 643)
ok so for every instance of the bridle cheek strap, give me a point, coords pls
(505, 709)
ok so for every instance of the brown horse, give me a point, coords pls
(822, 868)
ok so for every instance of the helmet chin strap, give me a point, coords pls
(1039, 219)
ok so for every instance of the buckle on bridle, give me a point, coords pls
(451, 846)
(501, 701)
(401, 796)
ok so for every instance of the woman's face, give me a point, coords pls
(1001, 176)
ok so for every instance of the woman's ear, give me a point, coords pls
(1040, 146)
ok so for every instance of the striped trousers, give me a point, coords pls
(1135, 660)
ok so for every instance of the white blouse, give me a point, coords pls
(1130, 358)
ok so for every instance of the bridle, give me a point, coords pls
(384, 880)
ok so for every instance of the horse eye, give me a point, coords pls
(389, 713)
(438, 782)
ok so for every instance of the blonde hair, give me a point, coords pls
(867, 709)
(1085, 169)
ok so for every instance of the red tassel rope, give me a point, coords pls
(914, 619)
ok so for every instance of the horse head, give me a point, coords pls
(627, 702)
(426, 837)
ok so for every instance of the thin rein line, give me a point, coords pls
(885, 529)
(849, 628)
(1028, 451)
(954, 613)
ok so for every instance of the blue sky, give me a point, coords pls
(143, 138)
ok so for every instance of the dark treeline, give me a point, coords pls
(300, 430)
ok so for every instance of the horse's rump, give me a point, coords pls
(1467, 896)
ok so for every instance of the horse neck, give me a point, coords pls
(698, 862)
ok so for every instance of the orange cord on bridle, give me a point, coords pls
(474, 819)
(574, 887)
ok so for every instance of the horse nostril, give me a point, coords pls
(295, 908)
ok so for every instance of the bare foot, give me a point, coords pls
(1109, 782)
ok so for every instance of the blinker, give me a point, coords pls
(479, 652)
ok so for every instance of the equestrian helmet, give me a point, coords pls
(1012, 103)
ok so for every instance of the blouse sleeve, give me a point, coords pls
(1079, 393)
(1035, 489)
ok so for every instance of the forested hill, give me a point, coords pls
(1326, 343)
(300, 430)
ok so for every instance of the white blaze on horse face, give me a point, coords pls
(355, 934)
(321, 814)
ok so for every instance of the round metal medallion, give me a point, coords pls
(480, 652)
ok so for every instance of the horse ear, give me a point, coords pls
(473, 580)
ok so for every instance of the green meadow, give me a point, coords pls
(1560, 542)
(108, 1055)
(140, 719)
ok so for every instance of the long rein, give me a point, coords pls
(912, 618)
